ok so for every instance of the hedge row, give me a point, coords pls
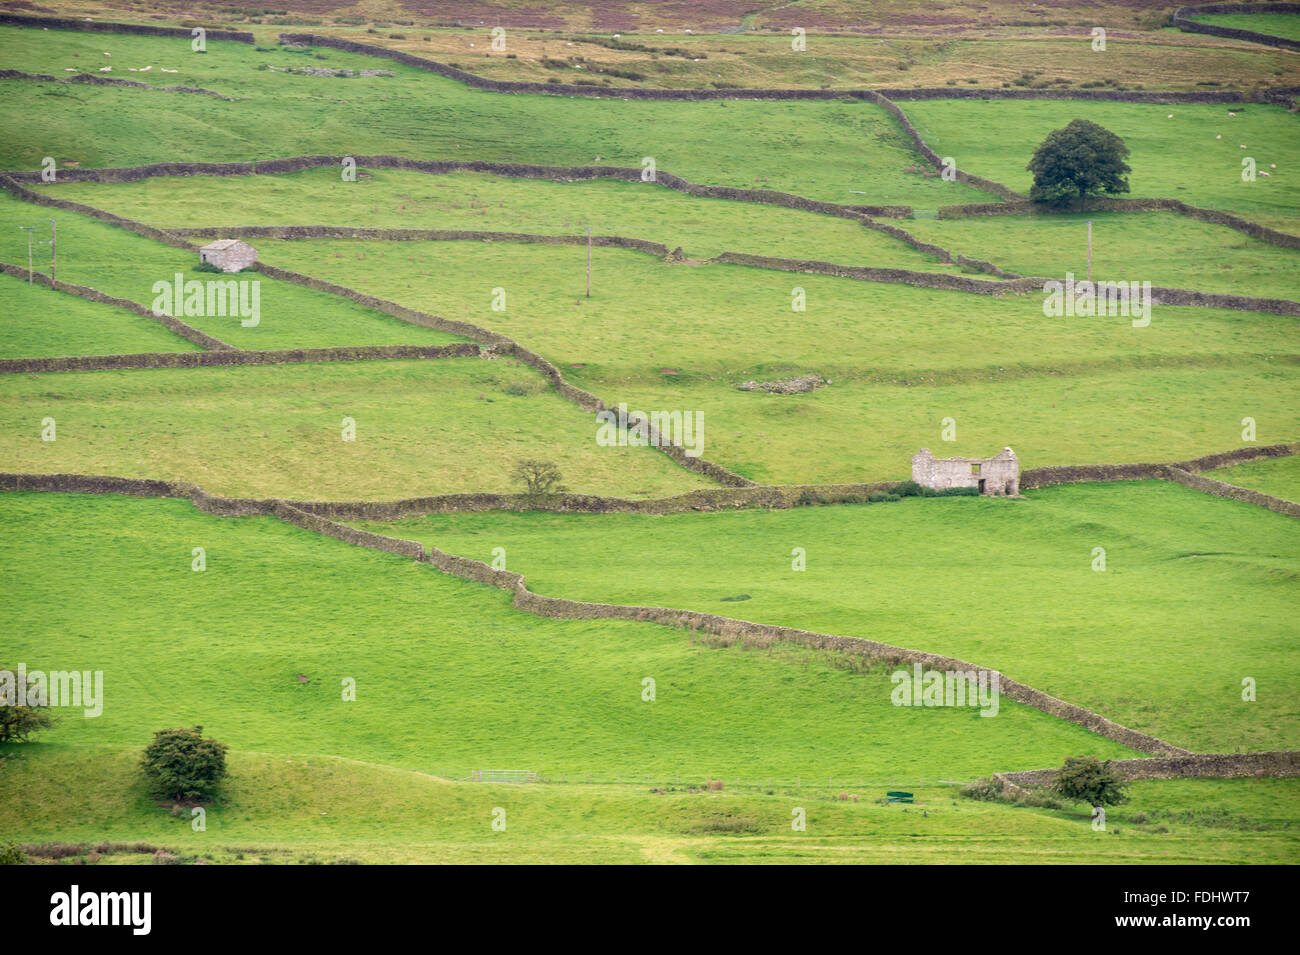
(186, 331)
(1253, 229)
(1182, 20)
(232, 357)
(92, 80)
(1205, 765)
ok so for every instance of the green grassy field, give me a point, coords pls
(1279, 477)
(449, 677)
(1198, 592)
(126, 265)
(1273, 24)
(824, 149)
(39, 322)
(395, 199)
(1164, 249)
(422, 427)
(328, 810)
(1061, 390)
(996, 138)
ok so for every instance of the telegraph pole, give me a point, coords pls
(29, 229)
(53, 226)
(588, 261)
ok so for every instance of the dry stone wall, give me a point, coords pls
(1182, 20)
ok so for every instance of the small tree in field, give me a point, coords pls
(539, 478)
(181, 764)
(1079, 161)
(17, 723)
(1084, 779)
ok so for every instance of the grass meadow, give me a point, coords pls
(840, 150)
(396, 199)
(449, 676)
(1163, 248)
(1278, 476)
(1196, 591)
(1178, 157)
(327, 809)
(126, 265)
(422, 427)
(900, 359)
(37, 322)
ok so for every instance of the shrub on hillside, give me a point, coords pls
(540, 478)
(1086, 779)
(181, 764)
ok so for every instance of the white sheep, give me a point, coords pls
(106, 69)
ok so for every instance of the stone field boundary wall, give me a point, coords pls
(1076, 473)
(91, 79)
(447, 166)
(1018, 286)
(103, 26)
(1182, 19)
(233, 357)
(543, 606)
(184, 330)
(293, 232)
(1252, 229)
(1232, 491)
(1191, 765)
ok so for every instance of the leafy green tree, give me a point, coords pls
(1079, 161)
(17, 723)
(539, 478)
(1083, 778)
(181, 764)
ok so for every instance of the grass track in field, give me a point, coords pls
(1198, 592)
(449, 676)
(422, 427)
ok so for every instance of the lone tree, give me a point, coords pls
(1085, 779)
(1079, 161)
(539, 478)
(181, 764)
(17, 723)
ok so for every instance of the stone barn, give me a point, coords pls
(999, 474)
(229, 255)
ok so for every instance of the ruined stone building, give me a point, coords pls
(229, 255)
(999, 474)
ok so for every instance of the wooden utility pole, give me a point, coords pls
(52, 234)
(588, 261)
(1089, 250)
(29, 229)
